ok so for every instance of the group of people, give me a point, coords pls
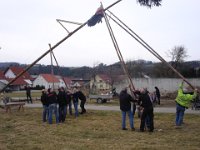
(144, 99)
(141, 97)
(60, 103)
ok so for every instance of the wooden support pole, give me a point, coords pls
(148, 47)
(59, 68)
(118, 51)
(52, 70)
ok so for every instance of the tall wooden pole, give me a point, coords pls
(52, 70)
(124, 67)
(59, 68)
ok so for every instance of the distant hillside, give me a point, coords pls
(137, 68)
(7, 64)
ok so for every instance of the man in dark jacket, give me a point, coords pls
(62, 101)
(69, 101)
(52, 99)
(79, 94)
(28, 94)
(147, 110)
(157, 95)
(125, 100)
(45, 104)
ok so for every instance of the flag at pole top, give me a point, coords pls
(96, 18)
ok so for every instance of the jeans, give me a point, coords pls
(76, 109)
(62, 113)
(130, 114)
(70, 108)
(45, 113)
(53, 109)
(180, 110)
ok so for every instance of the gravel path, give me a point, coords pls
(116, 108)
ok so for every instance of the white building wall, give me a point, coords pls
(10, 74)
(42, 82)
(62, 83)
(164, 84)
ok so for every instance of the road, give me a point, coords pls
(116, 108)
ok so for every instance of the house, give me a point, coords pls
(47, 80)
(80, 83)
(100, 83)
(24, 80)
(68, 82)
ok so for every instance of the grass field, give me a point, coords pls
(96, 130)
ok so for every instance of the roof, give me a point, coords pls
(50, 78)
(19, 81)
(2, 75)
(17, 70)
(22, 80)
(105, 77)
(68, 80)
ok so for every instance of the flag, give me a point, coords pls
(96, 18)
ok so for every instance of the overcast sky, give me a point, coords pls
(28, 26)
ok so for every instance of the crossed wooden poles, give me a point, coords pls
(119, 54)
(52, 48)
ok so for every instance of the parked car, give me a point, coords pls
(8, 90)
(101, 98)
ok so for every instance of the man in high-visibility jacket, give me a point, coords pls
(183, 101)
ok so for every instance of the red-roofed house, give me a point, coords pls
(47, 80)
(24, 80)
(101, 82)
(68, 81)
(13, 71)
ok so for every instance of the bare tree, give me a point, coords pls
(177, 55)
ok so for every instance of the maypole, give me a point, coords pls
(53, 47)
